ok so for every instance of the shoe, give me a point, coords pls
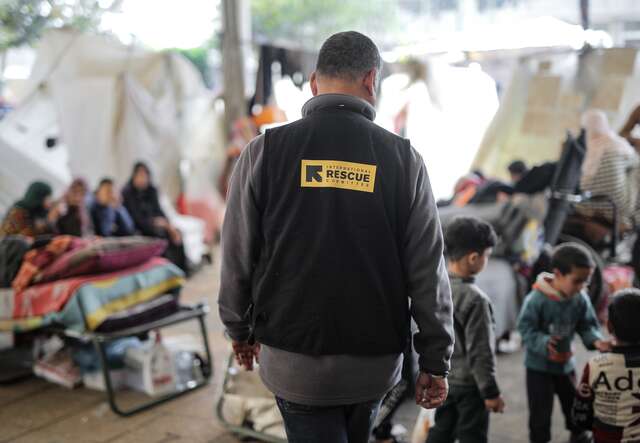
(580, 437)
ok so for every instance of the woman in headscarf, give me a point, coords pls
(75, 220)
(140, 198)
(33, 215)
(611, 168)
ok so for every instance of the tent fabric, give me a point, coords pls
(546, 97)
(106, 105)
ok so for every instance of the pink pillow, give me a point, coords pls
(104, 255)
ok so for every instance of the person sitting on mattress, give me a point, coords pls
(75, 219)
(110, 218)
(33, 215)
(140, 197)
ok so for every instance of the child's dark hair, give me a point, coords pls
(465, 235)
(571, 255)
(624, 312)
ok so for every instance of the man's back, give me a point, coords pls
(330, 228)
(335, 204)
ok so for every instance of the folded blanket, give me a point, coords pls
(37, 260)
(100, 296)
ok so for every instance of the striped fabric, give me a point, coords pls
(617, 176)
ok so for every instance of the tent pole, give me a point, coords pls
(236, 35)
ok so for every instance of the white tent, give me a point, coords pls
(106, 106)
(546, 97)
(446, 117)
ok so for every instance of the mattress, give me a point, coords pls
(101, 296)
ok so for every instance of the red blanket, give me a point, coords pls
(51, 297)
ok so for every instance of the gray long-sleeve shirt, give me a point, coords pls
(474, 356)
(338, 379)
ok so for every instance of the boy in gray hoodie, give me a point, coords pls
(473, 390)
(552, 314)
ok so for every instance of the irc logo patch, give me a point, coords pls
(337, 174)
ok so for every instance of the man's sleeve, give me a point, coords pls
(427, 279)
(534, 339)
(240, 243)
(481, 348)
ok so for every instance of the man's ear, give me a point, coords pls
(473, 258)
(313, 82)
(369, 82)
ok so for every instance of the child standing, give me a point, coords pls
(552, 313)
(608, 399)
(473, 388)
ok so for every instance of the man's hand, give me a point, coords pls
(245, 353)
(603, 345)
(495, 404)
(554, 355)
(431, 392)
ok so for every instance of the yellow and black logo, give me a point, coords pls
(337, 174)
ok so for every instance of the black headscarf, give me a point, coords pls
(33, 199)
(143, 204)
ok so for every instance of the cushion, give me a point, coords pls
(104, 255)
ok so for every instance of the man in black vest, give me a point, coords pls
(331, 243)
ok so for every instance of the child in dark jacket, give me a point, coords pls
(552, 313)
(608, 399)
(473, 387)
(109, 217)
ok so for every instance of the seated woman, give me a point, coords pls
(611, 169)
(140, 198)
(33, 215)
(109, 217)
(75, 220)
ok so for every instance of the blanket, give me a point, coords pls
(100, 295)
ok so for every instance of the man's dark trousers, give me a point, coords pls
(463, 416)
(541, 389)
(322, 424)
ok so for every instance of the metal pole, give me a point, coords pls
(233, 38)
(584, 13)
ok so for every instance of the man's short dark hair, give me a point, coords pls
(348, 55)
(465, 235)
(624, 312)
(517, 167)
(571, 255)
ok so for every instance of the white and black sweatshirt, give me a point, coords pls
(608, 398)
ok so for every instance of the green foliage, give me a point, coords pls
(308, 23)
(200, 58)
(23, 21)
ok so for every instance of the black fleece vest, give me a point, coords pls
(335, 204)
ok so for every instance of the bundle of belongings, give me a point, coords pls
(247, 407)
(82, 284)
(106, 275)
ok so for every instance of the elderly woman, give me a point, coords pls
(140, 198)
(611, 169)
(33, 215)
